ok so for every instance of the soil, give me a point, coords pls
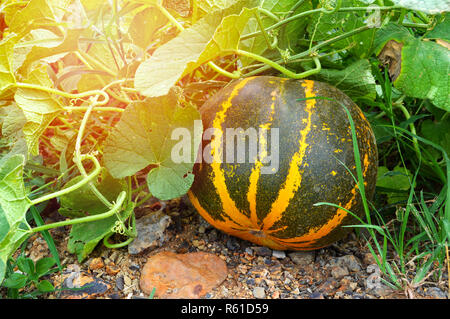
(344, 270)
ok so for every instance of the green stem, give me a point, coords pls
(412, 128)
(264, 32)
(306, 13)
(269, 14)
(115, 208)
(312, 50)
(65, 94)
(91, 60)
(278, 67)
(119, 245)
(96, 109)
(77, 157)
(81, 183)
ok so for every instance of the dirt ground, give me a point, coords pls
(344, 270)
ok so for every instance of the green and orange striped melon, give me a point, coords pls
(277, 210)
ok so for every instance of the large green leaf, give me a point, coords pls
(150, 20)
(207, 39)
(7, 79)
(425, 66)
(356, 80)
(39, 107)
(143, 137)
(13, 207)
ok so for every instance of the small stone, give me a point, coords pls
(232, 244)
(201, 229)
(302, 258)
(369, 259)
(339, 272)
(249, 251)
(276, 295)
(112, 270)
(190, 275)
(279, 254)
(96, 263)
(259, 293)
(262, 251)
(316, 295)
(120, 283)
(150, 232)
(134, 267)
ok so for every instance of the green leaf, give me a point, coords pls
(84, 237)
(37, 14)
(428, 6)
(395, 183)
(82, 201)
(7, 79)
(438, 133)
(43, 265)
(39, 107)
(15, 281)
(143, 137)
(356, 80)
(419, 77)
(207, 39)
(25, 265)
(13, 207)
(150, 20)
(45, 286)
(49, 46)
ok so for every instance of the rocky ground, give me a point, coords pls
(344, 270)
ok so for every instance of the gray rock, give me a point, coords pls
(150, 232)
(259, 293)
(279, 254)
(262, 251)
(302, 258)
(339, 272)
(435, 292)
(349, 261)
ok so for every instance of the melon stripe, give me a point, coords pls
(218, 178)
(316, 233)
(256, 171)
(294, 177)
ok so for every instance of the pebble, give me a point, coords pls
(96, 263)
(120, 283)
(302, 258)
(349, 261)
(279, 254)
(259, 293)
(249, 251)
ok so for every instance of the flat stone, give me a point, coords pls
(349, 261)
(279, 254)
(187, 276)
(150, 232)
(96, 263)
(339, 272)
(302, 258)
(259, 293)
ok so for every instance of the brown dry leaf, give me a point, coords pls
(392, 55)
